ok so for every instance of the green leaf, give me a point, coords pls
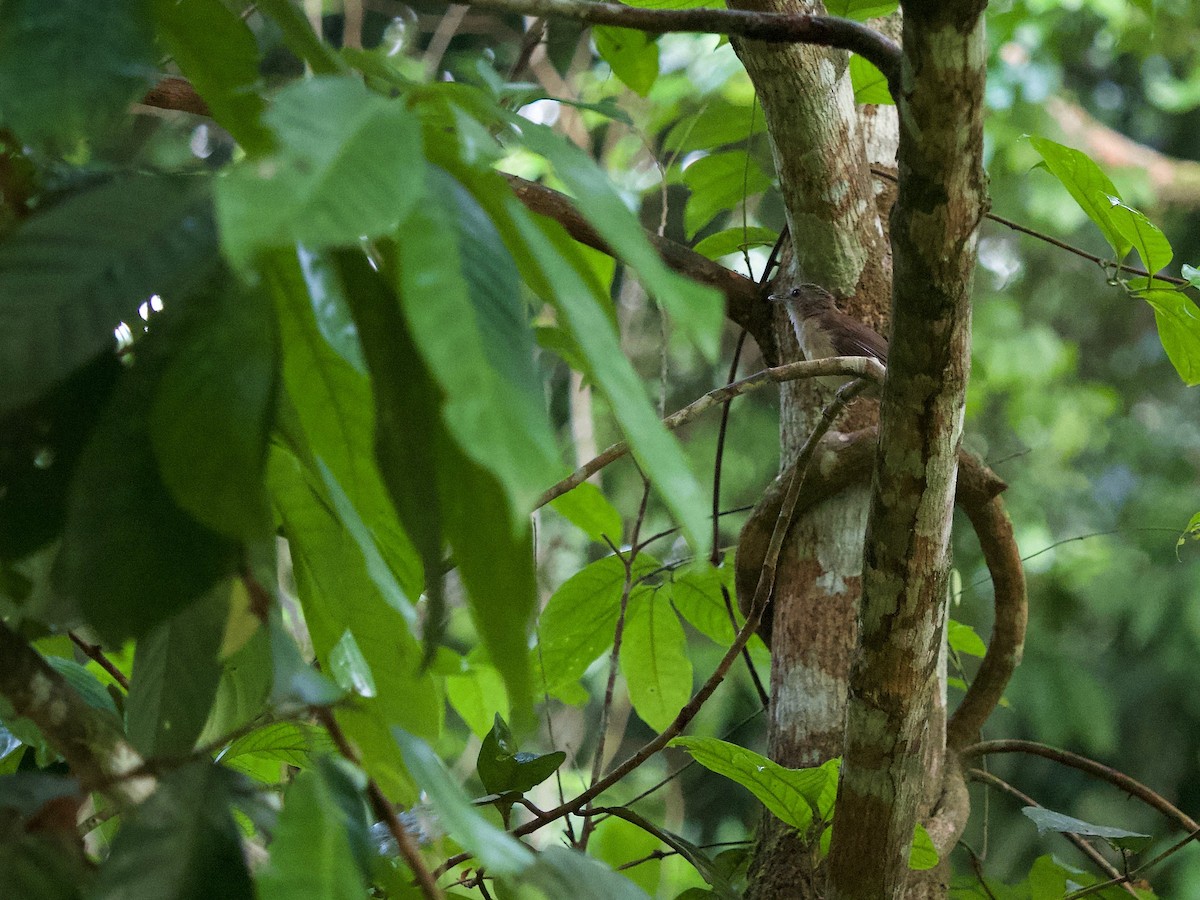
(69, 70)
(52, 429)
(791, 794)
(349, 667)
(338, 594)
(1048, 820)
(1090, 187)
(502, 854)
(698, 311)
(963, 639)
(588, 509)
(71, 274)
(577, 623)
(216, 51)
(332, 399)
(349, 165)
(720, 182)
(560, 872)
(300, 38)
(130, 557)
(182, 843)
(84, 683)
(312, 855)
(427, 474)
(1191, 532)
(460, 293)
(861, 10)
(869, 84)
(632, 54)
(293, 743)
(1146, 237)
(718, 124)
(213, 409)
(735, 240)
(175, 677)
(477, 695)
(654, 660)
(1191, 273)
(923, 855)
(554, 268)
(503, 768)
(1178, 322)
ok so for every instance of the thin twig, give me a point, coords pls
(1055, 242)
(776, 28)
(95, 653)
(860, 366)
(1083, 846)
(1123, 880)
(766, 584)
(1114, 777)
(382, 807)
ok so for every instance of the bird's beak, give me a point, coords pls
(776, 298)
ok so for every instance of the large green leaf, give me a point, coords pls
(313, 853)
(502, 767)
(1149, 241)
(1049, 820)
(561, 872)
(552, 265)
(338, 595)
(70, 69)
(720, 182)
(181, 843)
(175, 677)
(791, 794)
(217, 53)
(870, 85)
(130, 557)
(632, 54)
(586, 507)
(70, 275)
(861, 9)
(1178, 322)
(654, 660)
(460, 293)
(332, 398)
(719, 123)
(428, 476)
(349, 165)
(214, 406)
(577, 624)
(1090, 187)
(39, 448)
(502, 854)
(284, 743)
(698, 311)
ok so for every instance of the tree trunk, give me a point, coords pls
(823, 150)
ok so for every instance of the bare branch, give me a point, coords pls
(1098, 770)
(773, 28)
(89, 739)
(860, 366)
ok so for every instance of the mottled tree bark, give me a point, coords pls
(941, 200)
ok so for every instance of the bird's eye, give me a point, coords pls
(795, 292)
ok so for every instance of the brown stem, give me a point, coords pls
(383, 809)
(1114, 777)
(859, 366)
(89, 739)
(95, 653)
(774, 28)
(1083, 846)
(978, 495)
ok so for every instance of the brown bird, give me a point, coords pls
(823, 330)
